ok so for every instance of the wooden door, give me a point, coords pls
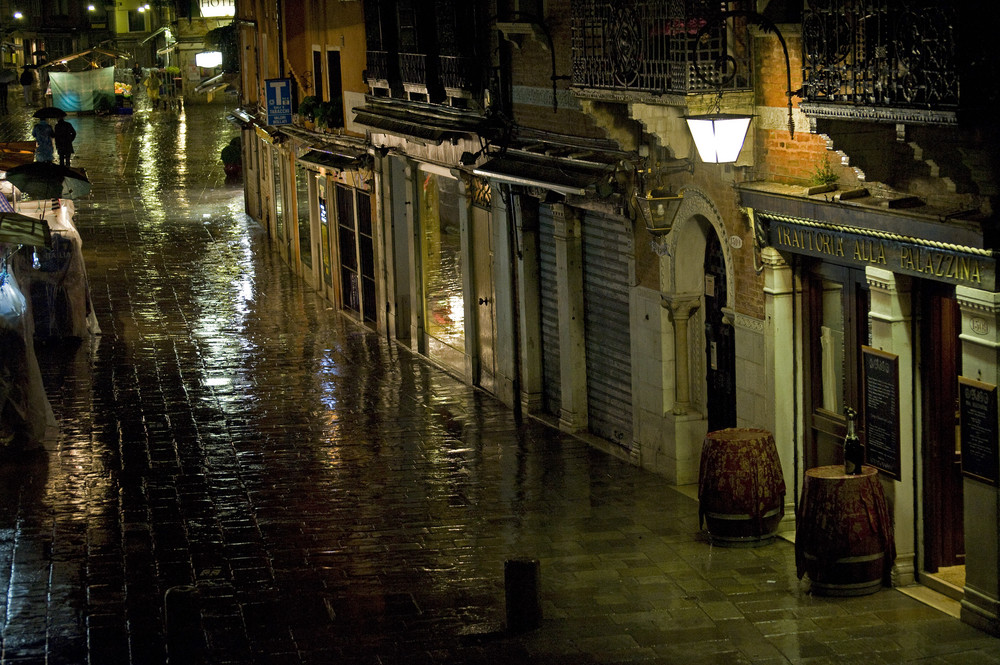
(941, 355)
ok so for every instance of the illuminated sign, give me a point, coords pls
(208, 59)
(217, 8)
(278, 93)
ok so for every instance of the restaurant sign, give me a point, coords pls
(951, 264)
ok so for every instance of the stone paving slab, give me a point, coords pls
(330, 498)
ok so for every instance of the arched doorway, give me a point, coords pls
(720, 342)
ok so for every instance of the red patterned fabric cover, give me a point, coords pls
(740, 473)
(840, 517)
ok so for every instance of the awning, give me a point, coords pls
(155, 34)
(936, 225)
(558, 175)
(422, 122)
(330, 160)
(92, 56)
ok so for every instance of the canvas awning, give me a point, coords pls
(420, 122)
(563, 176)
(92, 57)
(330, 160)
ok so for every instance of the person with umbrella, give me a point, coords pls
(64, 135)
(43, 134)
(7, 76)
(27, 80)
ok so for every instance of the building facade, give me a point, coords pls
(491, 197)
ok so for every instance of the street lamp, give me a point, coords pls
(719, 136)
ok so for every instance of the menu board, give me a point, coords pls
(882, 410)
(978, 405)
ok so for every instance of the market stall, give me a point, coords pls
(84, 81)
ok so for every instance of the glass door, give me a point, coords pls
(837, 305)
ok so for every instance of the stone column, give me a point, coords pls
(780, 354)
(681, 307)
(981, 361)
(572, 347)
(891, 328)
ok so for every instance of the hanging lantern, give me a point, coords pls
(719, 136)
(659, 208)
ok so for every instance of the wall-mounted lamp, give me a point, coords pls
(658, 209)
(18, 15)
(719, 136)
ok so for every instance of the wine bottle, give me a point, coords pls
(854, 452)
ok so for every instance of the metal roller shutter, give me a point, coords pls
(607, 246)
(552, 388)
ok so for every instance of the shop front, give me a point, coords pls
(892, 314)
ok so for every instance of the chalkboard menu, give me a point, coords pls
(882, 410)
(978, 404)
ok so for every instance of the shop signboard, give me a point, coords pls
(967, 266)
(978, 411)
(881, 390)
(279, 101)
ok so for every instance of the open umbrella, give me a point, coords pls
(50, 112)
(47, 180)
(7, 76)
(18, 229)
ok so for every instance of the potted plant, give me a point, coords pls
(329, 114)
(307, 110)
(232, 158)
(824, 178)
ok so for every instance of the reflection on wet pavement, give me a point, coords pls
(333, 499)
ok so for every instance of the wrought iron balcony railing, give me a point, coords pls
(378, 65)
(880, 53)
(413, 68)
(646, 46)
(458, 73)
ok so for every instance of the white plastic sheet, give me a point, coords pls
(82, 91)
(26, 418)
(55, 282)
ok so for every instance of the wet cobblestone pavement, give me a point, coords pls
(329, 497)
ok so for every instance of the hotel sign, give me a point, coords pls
(897, 255)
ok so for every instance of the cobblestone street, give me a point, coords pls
(308, 492)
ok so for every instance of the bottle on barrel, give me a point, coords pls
(854, 453)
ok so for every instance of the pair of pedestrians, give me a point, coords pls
(62, 135)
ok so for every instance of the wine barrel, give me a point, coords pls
(741, 489)
(844, 540)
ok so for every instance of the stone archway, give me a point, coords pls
(682, 290)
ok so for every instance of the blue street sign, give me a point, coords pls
(279, 101)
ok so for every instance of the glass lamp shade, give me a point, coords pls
(718, 136)
(659, 208)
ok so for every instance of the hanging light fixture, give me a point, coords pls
(718, 136)
(659, 209)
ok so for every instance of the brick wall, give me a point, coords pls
(780, 156)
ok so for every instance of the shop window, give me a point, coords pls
(302, 177)
(279, 217)
(441, 244)
(837, 325)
